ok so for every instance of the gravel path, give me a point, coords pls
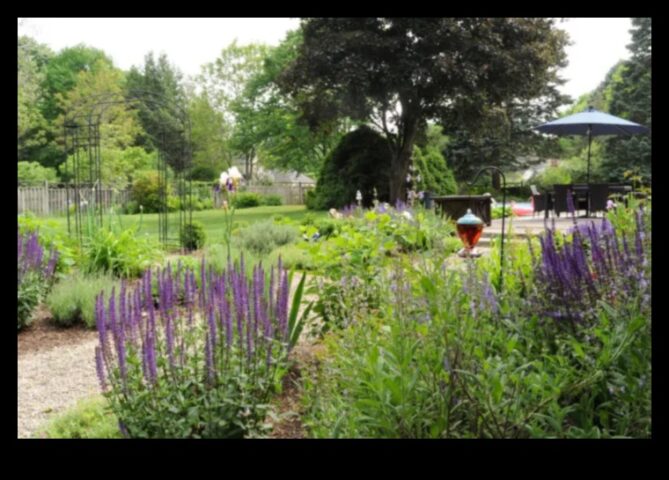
(56, 368)
(53, 380)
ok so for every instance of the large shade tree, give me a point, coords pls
(32, 59)
(268, 123)
(158, 92)
(631, 99)
(398, 73)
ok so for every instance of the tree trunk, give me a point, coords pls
(401, 161)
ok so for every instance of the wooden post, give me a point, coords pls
(45, 198)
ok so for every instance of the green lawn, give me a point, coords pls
(213, 220)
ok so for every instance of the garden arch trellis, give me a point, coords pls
(81, 139)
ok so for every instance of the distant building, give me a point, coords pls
(282, 176)
(260, 175)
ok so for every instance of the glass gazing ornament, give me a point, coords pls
(469, 228)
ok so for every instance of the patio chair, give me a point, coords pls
(599, 194)
(538, 200)
(560, 198)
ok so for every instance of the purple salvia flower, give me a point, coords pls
(187, 291)
(226, 318)
(51, 266)
(489, 296)
(121, 306)
(112, 314)
(282, 307)
(169, 339)
(100, 319)
(177, 276)
(151, 355)
(138, 313)
(220, 299)
(209, 359)
(148, 295)
(270, 294)
(249, 323)
(99, 367)
(211, 322)
(239, 305)
(203, 284)
(639, 234)
(132, 318)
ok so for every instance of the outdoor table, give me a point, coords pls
(582, 191)
(456, 206)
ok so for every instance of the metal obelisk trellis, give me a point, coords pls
(81, 135)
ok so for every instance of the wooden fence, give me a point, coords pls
(290, 193)
(45, 200)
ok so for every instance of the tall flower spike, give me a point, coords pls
(99, 367)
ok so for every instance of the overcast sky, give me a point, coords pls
(598, 43)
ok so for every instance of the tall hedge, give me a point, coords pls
(436, 177)
(361, 161)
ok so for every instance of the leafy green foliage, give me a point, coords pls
(29, 294)
(271, 200)
(263, 237)
(157, 91)
(90, 418)
(430, 163)
(209, 136)
(31, 173)
(360, 162)
(50, 235)
(446, 355)
(203, 172)
(269, 123)
(72, 300)
(193, 236)
(245, 200)
(293, 257)
(351, 262)
(398, 73)
(146, 191)
(121, 253)
(34, 140)
(631, 99)
(553, 176)
(197, 377)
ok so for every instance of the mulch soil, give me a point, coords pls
(43, 335)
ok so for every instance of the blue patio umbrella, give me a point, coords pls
(592, 123)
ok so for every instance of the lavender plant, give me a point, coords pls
(599, 264)
(202, 359)
(35, 273)
(446, 356)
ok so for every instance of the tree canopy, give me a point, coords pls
(269, 124)
(397, 73)
(631, 99)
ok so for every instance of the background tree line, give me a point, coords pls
(447, 94)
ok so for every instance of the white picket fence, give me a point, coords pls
(46, 200)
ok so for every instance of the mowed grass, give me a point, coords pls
(213, 220)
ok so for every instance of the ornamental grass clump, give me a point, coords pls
(35, 273)
(202, 359)
(599, 264)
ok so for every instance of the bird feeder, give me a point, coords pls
(469, 228)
